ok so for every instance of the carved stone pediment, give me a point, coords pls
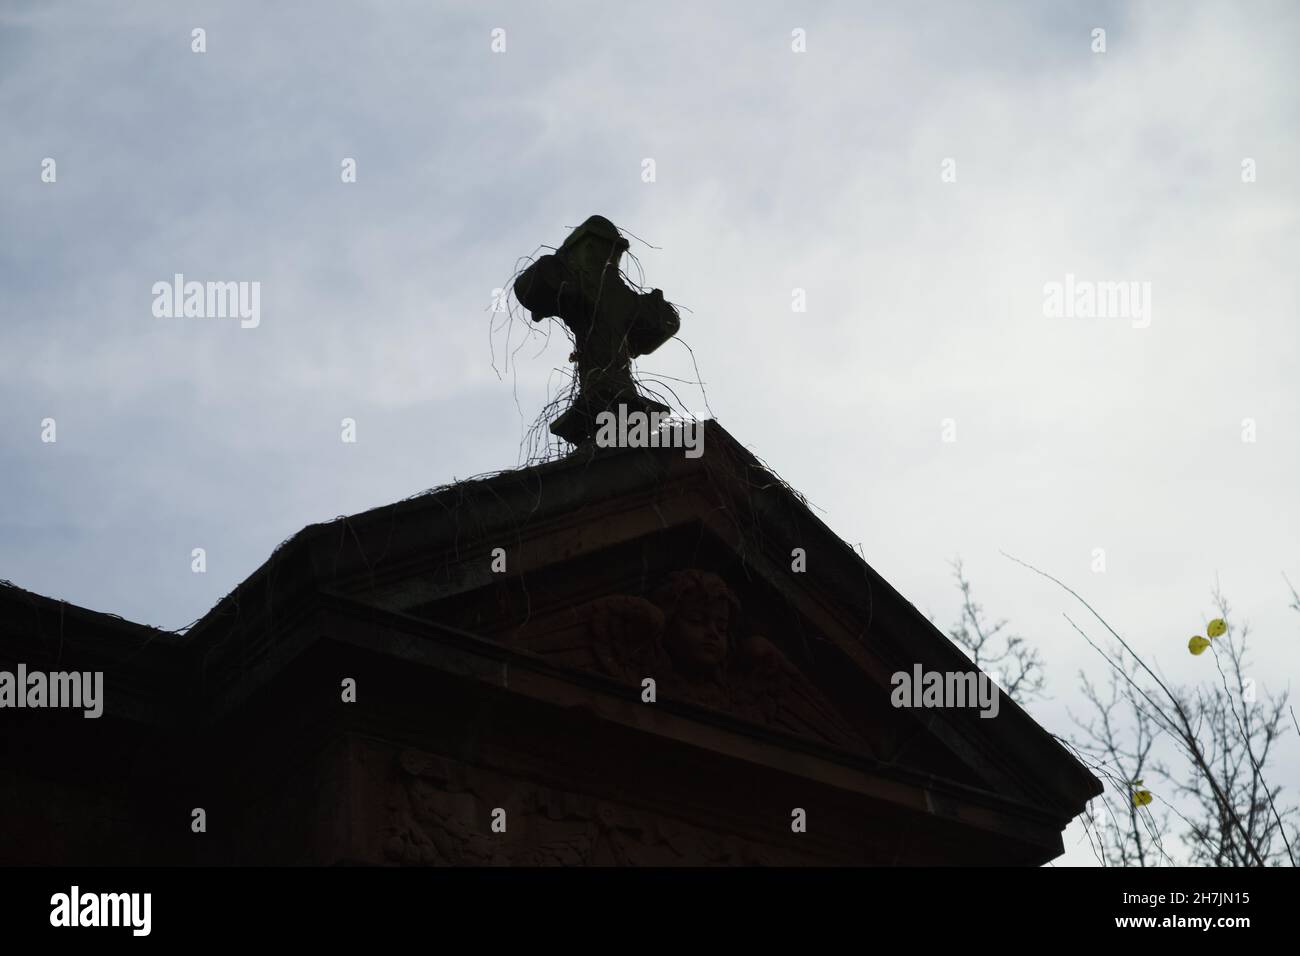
(566, 587)
(688, 637)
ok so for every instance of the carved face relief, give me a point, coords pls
(695, 635)
(681, 635)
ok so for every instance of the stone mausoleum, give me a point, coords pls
(625, 656)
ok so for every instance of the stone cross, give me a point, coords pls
(611, 322)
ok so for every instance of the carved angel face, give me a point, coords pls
(695, 635)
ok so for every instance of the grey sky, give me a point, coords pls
(775, 171)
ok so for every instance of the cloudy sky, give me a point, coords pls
(774, 170)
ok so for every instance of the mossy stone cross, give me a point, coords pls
(612, 323)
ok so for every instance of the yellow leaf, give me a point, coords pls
(1141, 798)
(1216, 628)
(1197, 645)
